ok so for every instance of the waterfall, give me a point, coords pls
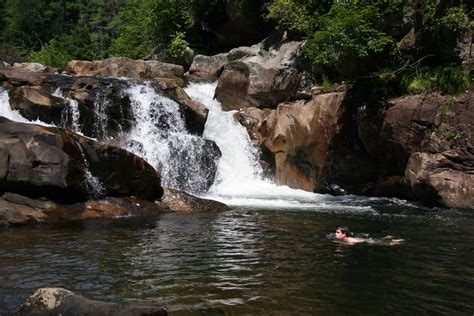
(71, 114)
(239, 162)
(160, 137)
(93, 184)
(240, 178)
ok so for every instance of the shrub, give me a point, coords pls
(177, 46)
(51, 54)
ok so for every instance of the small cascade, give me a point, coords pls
(94, 186)
(70, 116)
(239, 163)
(14, 115)
(101, 119)
(160, 137)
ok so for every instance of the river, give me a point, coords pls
(253, 261)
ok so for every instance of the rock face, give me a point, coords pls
(59, 301)
(118, 67)
(40, 161)
(299, 135)
(259, 76)
(417, 147)
(195, 116)
(435, 133)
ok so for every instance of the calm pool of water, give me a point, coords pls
(253, 261)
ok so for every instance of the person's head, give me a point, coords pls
(342, 232)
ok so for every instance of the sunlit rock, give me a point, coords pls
(59, 301)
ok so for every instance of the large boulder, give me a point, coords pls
(262, 75)
(442, 178)
(299, 135)
(59, 301)
(195, 116)
(36, 102)
(35, 67)
(39, 161)
(432, 134)
(208, 67)
(119, 67)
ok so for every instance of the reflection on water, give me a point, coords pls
(253, 261)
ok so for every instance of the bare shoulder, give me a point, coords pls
(355, 240)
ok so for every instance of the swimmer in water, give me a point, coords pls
(342, 234)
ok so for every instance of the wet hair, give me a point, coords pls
(345, 230)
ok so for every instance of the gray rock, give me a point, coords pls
(59, 301)
(182, 202)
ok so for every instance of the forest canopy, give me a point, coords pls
(412, 41)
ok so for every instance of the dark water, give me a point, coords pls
(253, 262)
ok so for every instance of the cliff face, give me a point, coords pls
(417, 147)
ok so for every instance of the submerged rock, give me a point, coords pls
(182, 202)
(59, 301)
(17, 210)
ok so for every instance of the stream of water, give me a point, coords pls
(274, 253)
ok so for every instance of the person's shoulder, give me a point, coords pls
(355, 240)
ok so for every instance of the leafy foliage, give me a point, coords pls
(133, 25)
(450, 80)
(51, 54)
(345, 39)
(347, 34)
(177, 46)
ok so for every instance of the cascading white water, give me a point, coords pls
(71, 112)
(160, 137)
(239, 161)
(240, 180)
(93, 184)
(6, 110)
